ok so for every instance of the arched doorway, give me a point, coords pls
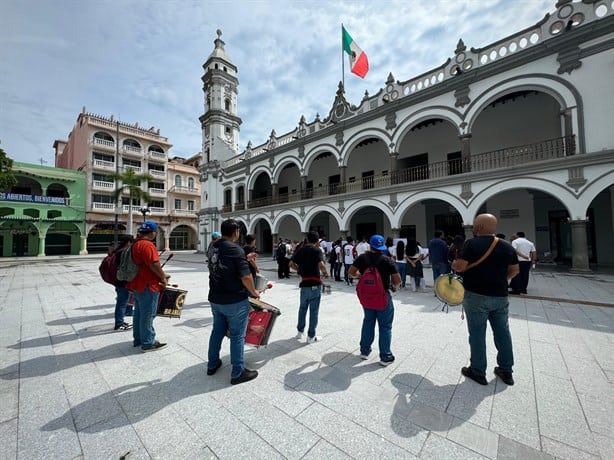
(182, 237)
(101, 236)
(62, 238)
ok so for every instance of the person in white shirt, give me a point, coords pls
(525, 251)
(348, 254)
(362, 247)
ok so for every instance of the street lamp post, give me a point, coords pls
(144, 210)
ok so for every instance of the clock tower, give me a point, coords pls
(220, 127)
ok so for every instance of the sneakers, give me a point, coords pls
(473, 375)
(245, 376)
(155, 347)
(213, 370)
(299, 335)
(505, 376)
(122, 327)
(387, 361)
(315, 338)
(363, 357)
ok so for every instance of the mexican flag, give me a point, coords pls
(359, 64)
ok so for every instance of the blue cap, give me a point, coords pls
(377, 243)
(215, 235)
(148, 226)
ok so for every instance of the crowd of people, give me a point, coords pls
(490, 267)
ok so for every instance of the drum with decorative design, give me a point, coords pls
(170, 303)
(449, 289)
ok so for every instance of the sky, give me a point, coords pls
(141, 60)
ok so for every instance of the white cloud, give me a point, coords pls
(142, 60)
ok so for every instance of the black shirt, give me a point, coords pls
(227, 265)
(248, 250)
(308, 259)
(384, 264)
(490, 277)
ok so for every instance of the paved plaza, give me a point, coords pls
(72, 388)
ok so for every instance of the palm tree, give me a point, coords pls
(131, 183)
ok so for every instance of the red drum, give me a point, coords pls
(171, 302)
(260, 323)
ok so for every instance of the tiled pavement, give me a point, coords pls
(72, 388)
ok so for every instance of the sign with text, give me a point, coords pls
(6, 196)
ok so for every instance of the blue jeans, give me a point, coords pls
(481, 309)
(229, 317)
(440, 268)
(121, 302)
(310, 299)
(346, 274)
(337, 271)
(402, 269)
(145, 309)
(384, 321)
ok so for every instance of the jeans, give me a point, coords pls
(440, 268)
(481, 309)
(520, 282)
(337, 271)
(229, 317)
(121, 302)
(402, 269)
(384, 321)
(346, 274)
(310, 299)
(146, 307)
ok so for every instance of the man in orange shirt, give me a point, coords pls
(147, 285)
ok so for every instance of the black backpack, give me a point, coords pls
(332, 256)
(281, 250)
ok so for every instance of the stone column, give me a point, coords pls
(344, 234)
(579, 246)
(303, 187)
(275, 192)
(392, 173)
(468, 229)
(395, 232)
(342, 178)
(465, 152)
(83, 246)
(41, 245)
(167, 241)
(568, 132)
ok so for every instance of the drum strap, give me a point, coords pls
(485, 256)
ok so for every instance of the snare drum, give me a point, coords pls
(449, 289)
(171, 302)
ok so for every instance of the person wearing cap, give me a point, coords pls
(230, 285)
(214, 237)
(146, 285)
(122, 293)
(392, 280)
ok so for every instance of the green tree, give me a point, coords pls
(131, 184)
(7, 178)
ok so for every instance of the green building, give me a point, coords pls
(44, 213)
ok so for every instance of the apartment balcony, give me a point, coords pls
(130, 151)
(239, 206)
(184, 190)
(103, 185)
(103, 144)
(104, 206)
(550, 149)
(227, 208)
(136, 169)
(184, 212)
(104, 165)
(156, 210)
(157, 173)
(157, 191)
(158, 156)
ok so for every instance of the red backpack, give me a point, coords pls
(108, 268)
(370, 289)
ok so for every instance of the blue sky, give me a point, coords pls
(141, 60)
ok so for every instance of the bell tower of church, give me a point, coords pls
(220, 127)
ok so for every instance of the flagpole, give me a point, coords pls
(342, 62)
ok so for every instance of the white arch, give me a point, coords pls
(445, 113)
(251, 228)
(358, 205)
(191, 226)
(255, 174)
(353, 140)
(317, 210)
(443, 195)
(282, 215)
(283, 162)
(317, 150)
(549, 186)
(590, 192)
(542, 83)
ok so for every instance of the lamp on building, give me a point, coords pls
(144, 210)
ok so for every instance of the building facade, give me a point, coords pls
(521, 128)
(44, 213)
(102, 147)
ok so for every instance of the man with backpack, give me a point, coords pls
(283, 259)
(108, 272)
(378, 275)
(147, 284)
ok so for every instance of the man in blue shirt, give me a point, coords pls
(438, 255)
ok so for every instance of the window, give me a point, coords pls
(228, 197)
(191, 183)
(227, 104)
(227, 129)
(241, 195)
(177, 203)
(190, 205)
(177, 180)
